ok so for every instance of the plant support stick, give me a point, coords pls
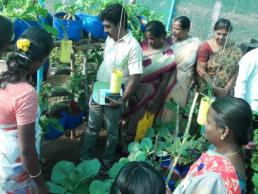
(185, 137)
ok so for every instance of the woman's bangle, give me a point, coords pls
(35, 176)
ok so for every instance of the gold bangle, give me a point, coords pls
(35, 176)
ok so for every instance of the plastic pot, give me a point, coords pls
(21, 25)
(52, 133)
(93, 25)
(71, 28)
(71, 120)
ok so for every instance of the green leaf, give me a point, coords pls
(100, 187)
(61, 172)
(115, 169)
(137, 156)
(150, 133)
(54, 188)
(74, 178)
(124, 160)
(88, 169)
(146, 144)
(82, 189)
(164, 132)
(133, 147)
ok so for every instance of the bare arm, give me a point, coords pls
(231, 82)
(201, 70)
(29, 156)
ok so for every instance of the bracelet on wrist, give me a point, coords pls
(36, 175)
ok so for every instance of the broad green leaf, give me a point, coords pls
(74, 178)
(100, 187)
(115, 169)
(164, 132)
(82, 189)
(54, 188)
(146, 144)
(124, 160)
(133, 147)
(88, 169)
(139, 156)
(61, 172)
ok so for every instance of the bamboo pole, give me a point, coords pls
(172, 167)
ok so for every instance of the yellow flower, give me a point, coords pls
(23, 44)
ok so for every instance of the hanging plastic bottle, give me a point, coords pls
(117, 77)
(116, 80)
(203, 110)
(66, 51)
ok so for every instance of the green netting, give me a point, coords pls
(242, 13)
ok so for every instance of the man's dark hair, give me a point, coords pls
(114, 13)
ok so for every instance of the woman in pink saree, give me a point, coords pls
(158, 79)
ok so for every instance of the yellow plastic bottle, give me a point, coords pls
(203, 110)
(66, 50)
(116, 81)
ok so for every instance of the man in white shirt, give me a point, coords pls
(120, 45)
(247, 79)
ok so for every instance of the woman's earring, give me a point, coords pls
(222, 138)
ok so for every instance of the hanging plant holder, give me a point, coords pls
(66, 51)
(203, 110)
(116, 81)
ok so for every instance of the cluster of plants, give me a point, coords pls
(25, 9)
(254, 162)
(136, 12)
(157, 146)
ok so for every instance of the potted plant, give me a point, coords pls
(68, 25)
(68, 178)
(26, 14)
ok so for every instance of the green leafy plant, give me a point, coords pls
(168, 144)
(45, 122)
(66, 178)
(69, 9)
(27, 11)
(94, 7)
(254, 161)
(103, 187)
(76, 87)
(137, 152)
(23, 9)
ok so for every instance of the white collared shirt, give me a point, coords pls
(247, 79)
(3, 66)
(116, 52)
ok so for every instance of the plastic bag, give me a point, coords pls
(144, 124)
